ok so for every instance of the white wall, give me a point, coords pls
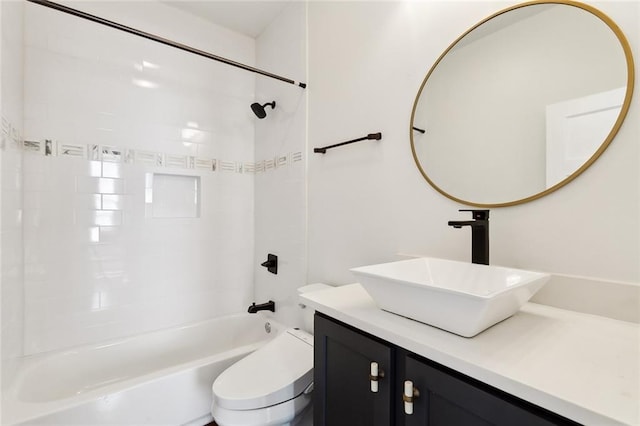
(368, 202)
(280, 195)
(11, 257)
(98, 266)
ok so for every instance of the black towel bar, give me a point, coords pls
(370, 136)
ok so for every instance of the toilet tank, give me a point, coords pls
(307, 313)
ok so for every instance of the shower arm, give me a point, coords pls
(161, 40)
(370, 136)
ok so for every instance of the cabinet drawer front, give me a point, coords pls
(447, 400)
(342, 363)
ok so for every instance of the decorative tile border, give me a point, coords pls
(114, 154)
(203, 164)
(249, 167)
(111, 154)
(71, 150)
(31, 146)
(180, 161)
(228, 166)
(11, 136)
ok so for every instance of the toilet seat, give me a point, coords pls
(279, 371)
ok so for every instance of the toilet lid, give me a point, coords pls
(277, 372)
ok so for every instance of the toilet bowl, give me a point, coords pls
(273, 385)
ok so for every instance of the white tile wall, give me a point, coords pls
(281, 190)
(11, 182)
(116, 108)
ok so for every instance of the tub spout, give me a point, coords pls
(269, 306)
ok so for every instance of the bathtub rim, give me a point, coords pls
(16, 411)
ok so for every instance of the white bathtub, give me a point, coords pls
(159, 378)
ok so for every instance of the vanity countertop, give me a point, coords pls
(581, 366)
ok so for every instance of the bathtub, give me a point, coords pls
(158, 378)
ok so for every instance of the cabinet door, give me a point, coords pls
(342, 391)
(447, 399)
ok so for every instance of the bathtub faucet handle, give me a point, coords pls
(271, 263)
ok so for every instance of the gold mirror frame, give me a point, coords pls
(614, 130)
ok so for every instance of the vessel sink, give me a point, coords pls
(459, 297)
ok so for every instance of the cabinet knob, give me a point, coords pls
(375, 374)
(410, 393)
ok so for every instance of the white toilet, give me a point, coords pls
(273, 385)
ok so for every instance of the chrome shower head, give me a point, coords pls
(258, 109)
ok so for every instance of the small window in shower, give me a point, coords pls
(172, 196)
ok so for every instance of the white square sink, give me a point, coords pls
(463, 298)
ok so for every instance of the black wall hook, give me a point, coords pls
(271, 263)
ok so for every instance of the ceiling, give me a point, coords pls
(246, 17)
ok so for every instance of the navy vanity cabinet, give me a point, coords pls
(342, 387)
(447, 398)
(444, 397)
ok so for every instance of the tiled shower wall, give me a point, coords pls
(11, 254)
(107, 117)
(280, 197)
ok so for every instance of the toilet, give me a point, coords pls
(272, 386)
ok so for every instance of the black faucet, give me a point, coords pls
(269, 306)
(479, 234)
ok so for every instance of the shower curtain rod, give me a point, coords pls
(161, 40)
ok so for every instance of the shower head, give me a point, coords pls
(258, 109)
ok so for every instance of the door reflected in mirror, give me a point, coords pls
(522, 103)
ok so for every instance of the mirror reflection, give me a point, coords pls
(521, 104)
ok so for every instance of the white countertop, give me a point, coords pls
(581, 366)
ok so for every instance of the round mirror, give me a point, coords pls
(522, 103)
